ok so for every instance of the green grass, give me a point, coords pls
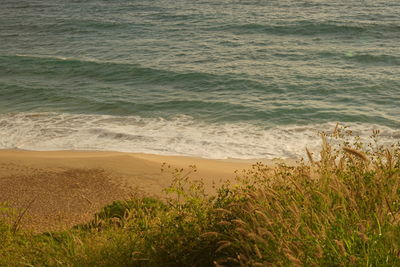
(342, 209)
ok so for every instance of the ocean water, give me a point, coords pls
(215, 79)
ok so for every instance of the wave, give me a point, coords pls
(310, 28)
(111, 71)
(374, 59)
(181, 135)
(363, 58)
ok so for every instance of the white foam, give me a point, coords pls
(181, 135)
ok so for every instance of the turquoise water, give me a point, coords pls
(216, 79)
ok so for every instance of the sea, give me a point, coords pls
(220, 79)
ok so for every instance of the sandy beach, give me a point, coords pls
(60, 189)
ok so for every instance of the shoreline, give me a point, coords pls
(67, 187)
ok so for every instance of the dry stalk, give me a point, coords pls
(309, 155)
(21, 215)
(222, 245)
(356, 153)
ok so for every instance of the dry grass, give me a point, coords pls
(341, 210)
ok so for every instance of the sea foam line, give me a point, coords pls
(181, 135)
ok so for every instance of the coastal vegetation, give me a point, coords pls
(338, 208)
